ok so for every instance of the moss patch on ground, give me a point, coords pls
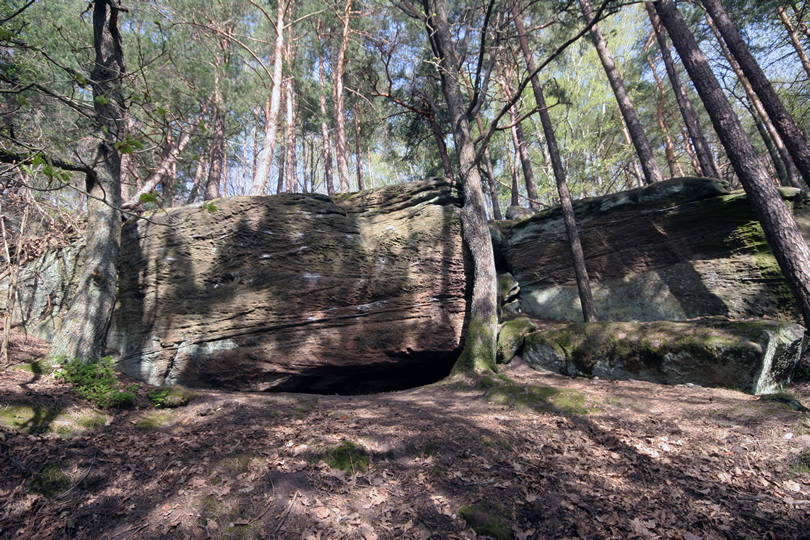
(802, 465)
(487, 519)
(37, 419)
(348, 457)
(538, 398)
(40, 366)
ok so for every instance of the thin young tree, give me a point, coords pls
(637, 134)
(84, 328)
(792, 135)
(781, 231)
(577, 255)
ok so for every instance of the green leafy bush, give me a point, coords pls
(96, 382)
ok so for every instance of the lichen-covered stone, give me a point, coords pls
(755, 356)
(294, 291)
(677, 250)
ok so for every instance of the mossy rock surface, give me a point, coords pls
(510, 338)
(756, 356)
(39, 419)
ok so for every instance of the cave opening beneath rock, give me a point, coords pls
(406, 371)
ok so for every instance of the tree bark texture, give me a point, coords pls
(325, 138)
(637, 134)
(83, 331)
(482, 326)
(793, 137)
(778, 223)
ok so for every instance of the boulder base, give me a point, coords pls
(755, 356)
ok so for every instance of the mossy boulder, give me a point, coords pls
(678, 250)
(510, 338)
(755, 356)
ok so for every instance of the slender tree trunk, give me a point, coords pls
(781, 230)
(567, 206)
(325, 139)
(216, 158)
(639, 138)
(787, 170)
(199, 175)
(438, 136)
(521, 147)
(290, 162)
(357, 161)
(776, 161)
(340, 113)
(663, 125)
(84, 328)
(490, 170)
(482, 327)
(794, 39)
(163, 171)
(703, 152)
(262, 177)
(514, 199)
(792, 136)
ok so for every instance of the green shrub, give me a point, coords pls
(96, 382)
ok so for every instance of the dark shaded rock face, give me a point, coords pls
(293, 292)
(753, 356)
(676, 250)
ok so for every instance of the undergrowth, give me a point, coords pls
(97, 383)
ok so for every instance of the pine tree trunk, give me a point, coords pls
(262, 177)
(438, 136)
(783, 162)
(482, 326)
(357, 161)
(290, 161)
(216, 157)
(520, 143)
(325, 139)
(83, 332)
(663, 125)
(514, 199)
(792, 136)
(781, 230)
(340, 113)
(703, 152)
(577, 255)
(794, 39)
(637, 135)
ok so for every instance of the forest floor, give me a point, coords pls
(534, 456)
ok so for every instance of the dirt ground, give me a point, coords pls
(535, 456)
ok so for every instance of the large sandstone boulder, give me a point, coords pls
(756, 356)
(675, 250)
(291, 292)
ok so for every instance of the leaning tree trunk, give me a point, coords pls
(782, 162)
(781, 230)
(793, 137)
(83, 332)
(637, 135)
(261, 178)
(794, 39)
(340, 113)
(703, 152)
(482, 326)
(567, 206)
